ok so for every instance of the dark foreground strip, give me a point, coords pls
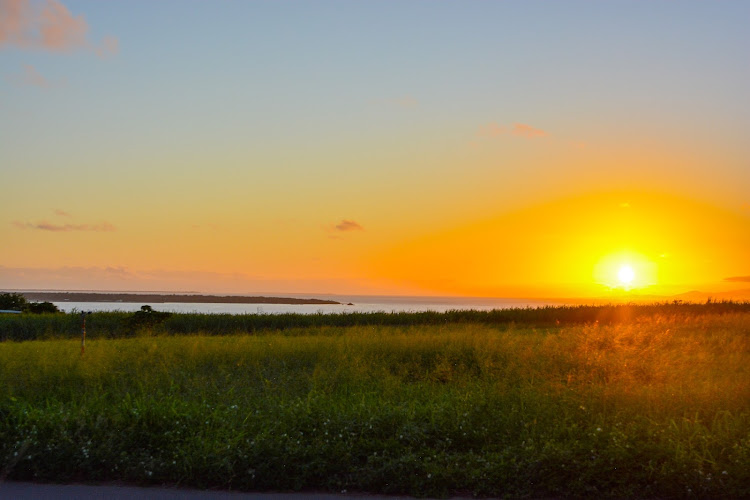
(32, 491)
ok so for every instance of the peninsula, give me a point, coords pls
(154, 298)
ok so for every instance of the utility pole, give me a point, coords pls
(83, 331)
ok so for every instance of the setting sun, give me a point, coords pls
(626, 271)
(626, 275)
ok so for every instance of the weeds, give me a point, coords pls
(124, 325)
(653, 407)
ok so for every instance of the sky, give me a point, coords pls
(508, 149)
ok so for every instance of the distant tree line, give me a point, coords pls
(17, 302)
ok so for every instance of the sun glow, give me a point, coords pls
(595, 245)
(626, 275)
(625, 271)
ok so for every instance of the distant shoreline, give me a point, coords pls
(165, 298)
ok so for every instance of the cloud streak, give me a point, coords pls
(494, 129)
(523, 130)
(65, 228)
(348, 225)
(47, 25)
(738, 279)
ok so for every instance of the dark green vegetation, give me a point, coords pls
(652, 403)
(17, 302)
(147, 318)
(122, 324)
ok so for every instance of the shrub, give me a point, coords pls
(12, 301)
(41, 307)
(148, 318)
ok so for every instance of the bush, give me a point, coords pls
(148, 318)
(17, 302)
(41, 307)
(12, 301)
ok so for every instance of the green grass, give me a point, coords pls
(651, 406)
(124, 325)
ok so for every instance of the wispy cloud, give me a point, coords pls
(523, 130)
(348, 225)
(494, 129)
(30, 76)
(64, 228)
(738, 279)
(61, 213)
(47, 25)
(109, 46)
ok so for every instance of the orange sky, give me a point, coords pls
(576, 246)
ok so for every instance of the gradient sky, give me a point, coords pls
(516, 148)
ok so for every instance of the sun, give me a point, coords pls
(626, 275)
(625, 271)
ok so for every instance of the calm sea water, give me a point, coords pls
(360, 303)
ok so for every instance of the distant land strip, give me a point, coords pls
(163, 298)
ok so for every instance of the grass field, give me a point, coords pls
(657, 405)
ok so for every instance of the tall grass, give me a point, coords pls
(653, 407)
(121, 324)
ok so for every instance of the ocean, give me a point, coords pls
(359, 303)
